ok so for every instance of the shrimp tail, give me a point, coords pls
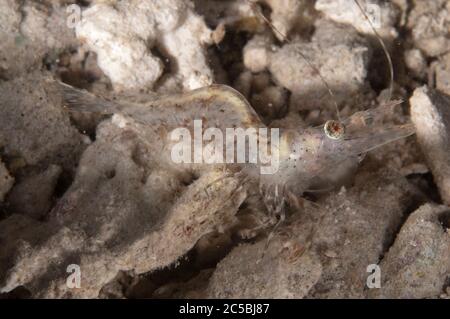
(82, 101)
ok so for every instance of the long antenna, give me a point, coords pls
(303, 56)
(383, 45)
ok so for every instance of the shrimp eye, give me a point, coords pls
(334, 129)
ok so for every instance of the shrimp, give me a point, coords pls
(303, 154)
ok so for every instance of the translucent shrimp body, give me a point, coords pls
(303, 155)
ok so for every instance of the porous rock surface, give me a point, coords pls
(118, 215)
(418, 263)
(324, 253)
(430, 112)
(125, 47)
(84, 190)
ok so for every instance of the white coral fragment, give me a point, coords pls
(123, 35)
